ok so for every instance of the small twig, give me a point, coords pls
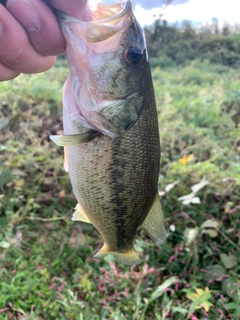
(47, 219)
(228, 239)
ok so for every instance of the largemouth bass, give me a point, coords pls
(111, 135)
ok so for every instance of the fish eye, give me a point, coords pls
(133, 55)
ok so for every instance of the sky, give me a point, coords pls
(193, 10)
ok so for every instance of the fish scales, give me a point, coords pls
(126, 186)
(115, 176)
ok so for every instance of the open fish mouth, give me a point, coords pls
(110, 15)
(107, 20)
(102, 11)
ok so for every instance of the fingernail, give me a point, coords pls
(1, 28)
(26, 14)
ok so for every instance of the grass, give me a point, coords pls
(47, 269)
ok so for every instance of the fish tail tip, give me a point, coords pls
(159, 239)
(129, 257)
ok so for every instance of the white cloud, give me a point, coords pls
(194, 10)
(146, 17)
(205, 10)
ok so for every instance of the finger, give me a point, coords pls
(16, 51)
(7, 73)
(41, 25)
(75, 8)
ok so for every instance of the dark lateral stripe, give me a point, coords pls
(118, 200)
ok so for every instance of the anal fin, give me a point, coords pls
(153, 225)
(80, 215)
(129, 257)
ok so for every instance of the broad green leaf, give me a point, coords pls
(18, 172)
(85, 283)
(232, 305)
(211, 232)
(3, 221)
(229, 261)
(160, 289)
(232, 288)
(5, 244)
(214, 272)
(4, 122)
(211, 223)
(180, 310)
(200, 299)
(5, 177)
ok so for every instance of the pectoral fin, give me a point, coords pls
(75, 139)
(153, 225)
(129, 257)
(80, 215)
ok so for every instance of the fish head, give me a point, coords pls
(108, 67)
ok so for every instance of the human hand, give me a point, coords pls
(30, 37)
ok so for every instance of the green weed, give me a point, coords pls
(47, 269)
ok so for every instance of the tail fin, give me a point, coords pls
(129, 257)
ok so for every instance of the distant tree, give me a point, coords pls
(170, 45)
(216, 26)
